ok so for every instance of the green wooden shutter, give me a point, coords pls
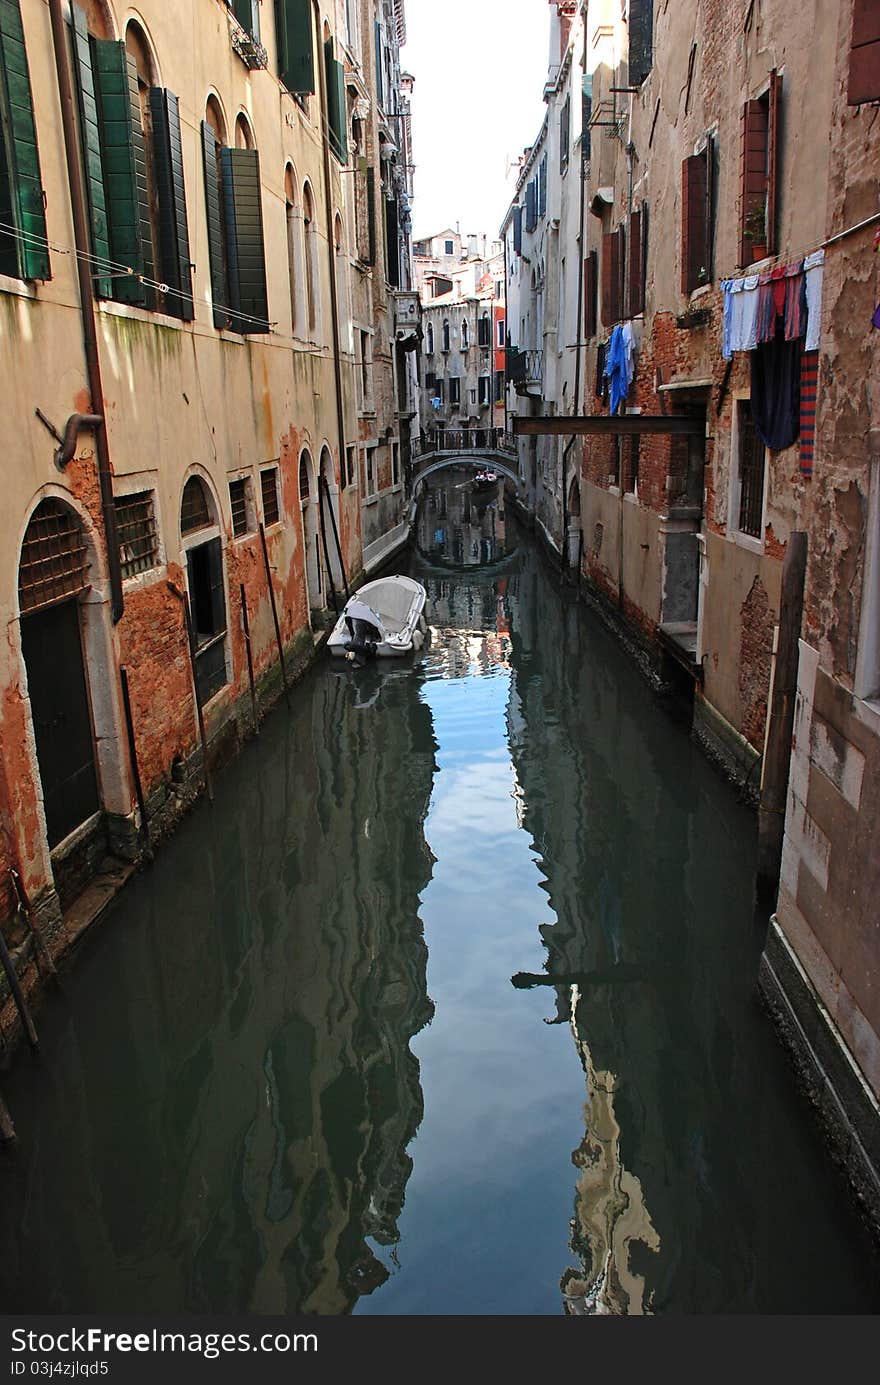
(173, 233)
(90, 139)
(293, 39)
(20, 157)
(214, 218)
(336, 121)
(243, 217)
(125, 170)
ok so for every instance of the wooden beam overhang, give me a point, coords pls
(605, 425)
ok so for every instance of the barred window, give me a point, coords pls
(269, 491)
(54, 563)
(195, 512)
(751, 473)
(136, 529)
(238, 504)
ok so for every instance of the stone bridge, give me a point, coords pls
(474, 447)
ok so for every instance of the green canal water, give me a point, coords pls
(446, 1005)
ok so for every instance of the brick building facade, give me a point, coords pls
(723, 275)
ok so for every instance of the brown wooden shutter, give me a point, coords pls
(620, 301)
(636, 279)
(753, 166)
(591, 294)
(775, 96)
(609, 243)
(694, 221)
(864, 57)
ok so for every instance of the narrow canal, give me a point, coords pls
(446, 1005)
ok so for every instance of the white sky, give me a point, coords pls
(479, 69)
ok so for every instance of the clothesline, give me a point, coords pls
(789, 295)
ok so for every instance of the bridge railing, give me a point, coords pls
(464, 440)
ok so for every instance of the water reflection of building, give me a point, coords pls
(256, 1039)
(630, 837)
(460, 526)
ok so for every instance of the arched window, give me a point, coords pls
(138, 47)
(445, 334)
(294, 266)
(195, 509)
(214, 117)
(429, 342)
(464, 334)
(484, 330)
(244, 135)
(233, 207)
(310, 239)
(304, 476)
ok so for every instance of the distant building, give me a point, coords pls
(464, 323)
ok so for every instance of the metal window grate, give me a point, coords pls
(269, 490)
(54, 561)
(136, 528)
(194, 510)
(238, 502)
(751, 473)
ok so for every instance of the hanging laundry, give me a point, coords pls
(749, 321)
(727, 319)
(618, 365)
(813, 271)
(876, 318)
(766, 309)
(601, 379)
(775, 393)
(809, 381)
(795, 301)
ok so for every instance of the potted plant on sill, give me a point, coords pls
(756, 229)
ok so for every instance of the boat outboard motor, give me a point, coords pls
(364, 632)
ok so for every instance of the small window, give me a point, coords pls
(485, 389)
(465, 334)
(395, 463)
(136, 531)
(446, 336)
(269, 493)
(449, 247)
(501, 333)
(303, 478)
(369, 472)
(454, 390)
(484, 331)
(195, 513)
(429, 340)
(499, 387)
(749, 507)
(238, 500)
(350, 459)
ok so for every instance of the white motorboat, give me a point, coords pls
(383, 619)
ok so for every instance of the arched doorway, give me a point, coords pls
(201, 542)
(574, 522)
(308, 499)
(53, 576)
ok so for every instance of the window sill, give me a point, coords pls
(867, 710)
(370, 499)
(151, 577)
(702, 291)
(108, 307)
(19, 288)
(746, 541)
(270, 528)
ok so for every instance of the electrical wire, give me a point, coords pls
(110, 268)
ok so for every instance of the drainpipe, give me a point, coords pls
(576, 402)
(331, 250)
(82, 242)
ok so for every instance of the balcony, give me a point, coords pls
(525, 370)
(407, 315)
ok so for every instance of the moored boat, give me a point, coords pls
(384, 619)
